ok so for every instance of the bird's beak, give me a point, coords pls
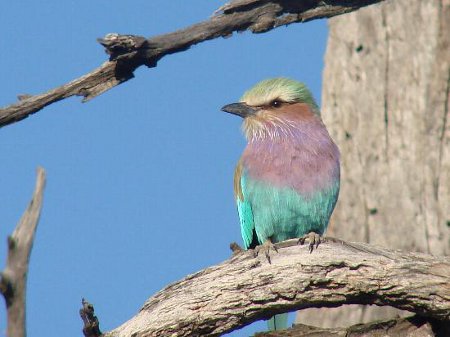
(239, 109)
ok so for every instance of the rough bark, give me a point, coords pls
(129, 52)
(244, 289)
(386, 104)
(400, 327)
(13, 279)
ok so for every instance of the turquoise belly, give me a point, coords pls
(282, 213)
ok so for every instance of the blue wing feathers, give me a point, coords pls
(245, 216)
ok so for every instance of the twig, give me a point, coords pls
(129, 52)
(14, 277)
(91, 325)
(244, 289)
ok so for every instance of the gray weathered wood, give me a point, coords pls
(245, 289)
(130, 52)
(386, 104)
(400, 327)
(13, 278)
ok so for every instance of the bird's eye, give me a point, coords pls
(275, 103)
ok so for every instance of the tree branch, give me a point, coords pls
(129, 52)
(14, 277)
(244, 289)
(91, 325)
(400, 327)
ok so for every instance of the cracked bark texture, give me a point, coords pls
(402, 327)
(386, 104)
(244, 289)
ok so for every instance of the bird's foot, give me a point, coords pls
(236, 249)
(266, 247)
(313, 238)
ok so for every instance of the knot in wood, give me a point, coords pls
(116, 44)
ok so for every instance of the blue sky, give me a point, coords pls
(139, 180)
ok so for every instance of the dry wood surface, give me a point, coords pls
(245, 288)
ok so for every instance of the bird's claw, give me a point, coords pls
(266, 247)
(236, 249)
(313, 238)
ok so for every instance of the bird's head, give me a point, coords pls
(274, 108)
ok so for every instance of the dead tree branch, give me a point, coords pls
(244, 289)
(415, 326)
(13, 279)
(91, 325)
(129, 52)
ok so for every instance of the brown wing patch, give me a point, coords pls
(237, 182)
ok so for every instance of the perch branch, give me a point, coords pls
(14, 277)
(244, 289)
(129, 52)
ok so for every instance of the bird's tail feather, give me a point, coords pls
(278, 322)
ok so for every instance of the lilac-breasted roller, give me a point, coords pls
(286, 183)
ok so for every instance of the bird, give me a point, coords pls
(286, 183)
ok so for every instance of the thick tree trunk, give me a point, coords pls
(386, 104)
